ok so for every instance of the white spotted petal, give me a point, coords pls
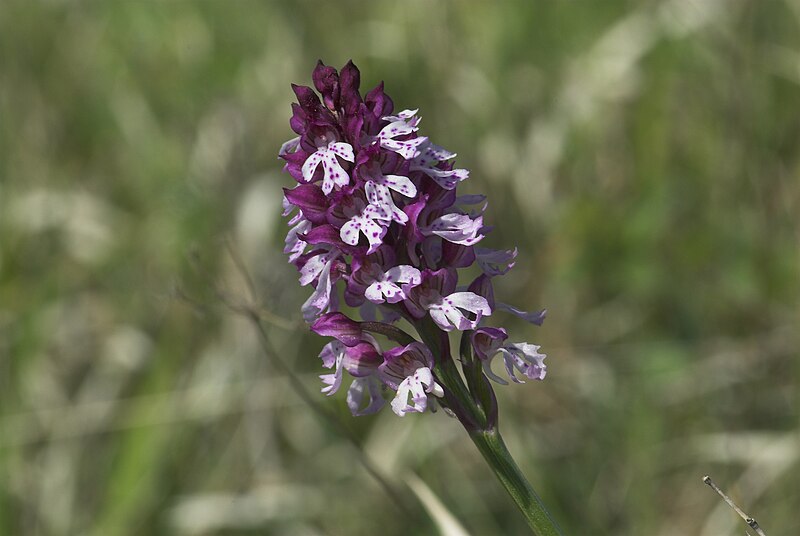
(387, 287)
(333, 172)
(448, 314)
(457, 228)
(364, 223)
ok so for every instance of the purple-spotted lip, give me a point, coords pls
(401, 361)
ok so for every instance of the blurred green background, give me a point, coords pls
(643, 156)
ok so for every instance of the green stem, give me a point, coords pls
(496, 454)
(476, 408)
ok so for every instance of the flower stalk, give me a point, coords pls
(494, 451)
(478, 414)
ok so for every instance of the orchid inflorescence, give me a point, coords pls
(377, 210)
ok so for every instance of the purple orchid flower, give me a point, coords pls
(431, 161)
(386, 289)
(334, 173)
(295, 246)
(457, 228)
(488, 343)
(435, 295)
(361, 362)
(366, 221)
(401, 128)
(407, 370)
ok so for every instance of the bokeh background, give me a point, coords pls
(643, 156)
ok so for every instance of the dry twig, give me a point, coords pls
(747, 519)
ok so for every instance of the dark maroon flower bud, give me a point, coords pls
(326, 80)
(349, 80)
(340, 327)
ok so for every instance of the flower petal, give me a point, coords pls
(295, 246)
(400, 184)
(534, 317)
(350, 231)
(457, 228)
(334, 173)
(471, 302)
(396, 128)
(321, 299)
(310, 166)
(289, 146)
(495, 262)
(404, 274)
(374, 293)
(486, 342)
(379, 196)
(330, 353)
(343, 150)
(360, 389)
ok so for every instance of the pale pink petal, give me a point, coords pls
(457, 318)
(294, 245)
(487, 369)
(404, 274)
(400, 184)
(310, 166)
(534, 317)
(321, 299)
(510, 360)
(342, 150)
(312, 268)
(405, 115)
(431, 154)
(457, 228)
(349, 232)
(495, 262)
(447, 179)
(374, 234)
(397, 128)
(393, 293)
(471, 302)
(332, 356)
(407, 149)
(334, 173)
(374, 293)
(289, 146)
(363, 388)
(379, 196)
(376, 212)
(331, 352)
(441, 319)
(400, 402)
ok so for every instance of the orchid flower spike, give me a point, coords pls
(375, 218)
